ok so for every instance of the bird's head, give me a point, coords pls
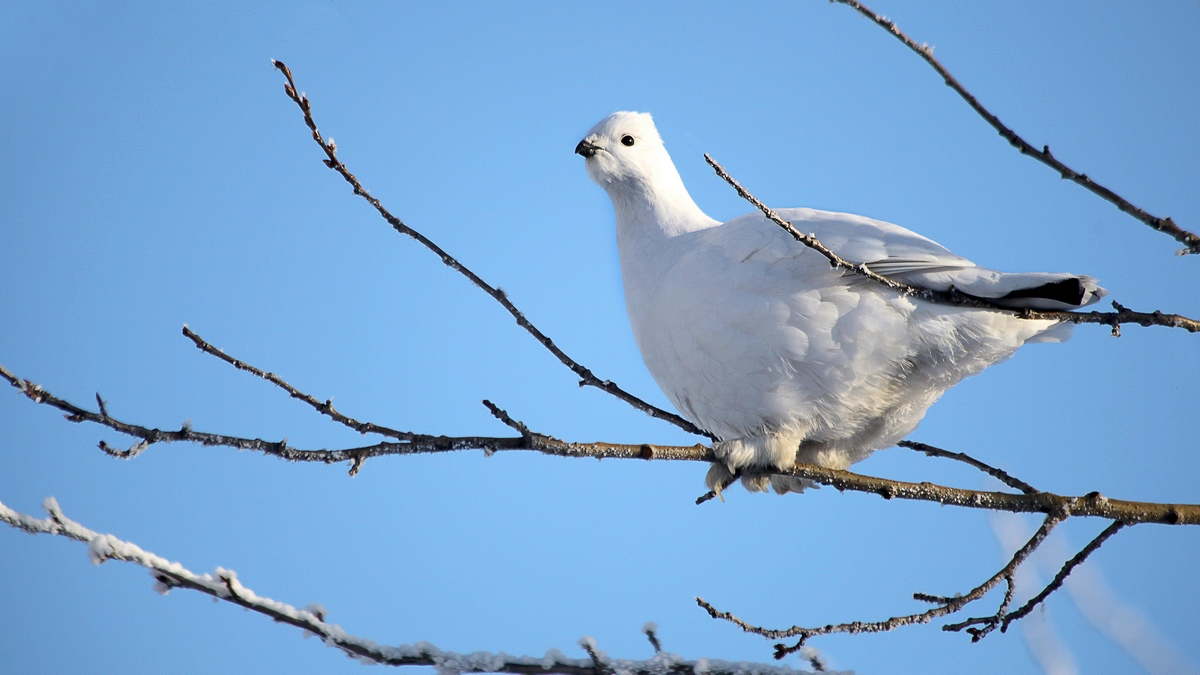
(624, 150)
(626, 157)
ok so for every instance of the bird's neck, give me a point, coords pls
(658, 210)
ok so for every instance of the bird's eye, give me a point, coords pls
(627, 140)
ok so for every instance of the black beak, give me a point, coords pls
(586, 148)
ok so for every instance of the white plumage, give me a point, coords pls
(755, 338)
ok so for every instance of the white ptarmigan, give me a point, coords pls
(756, 339)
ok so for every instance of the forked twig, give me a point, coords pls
(1002, 618)
(1164, 225)
(945, 605)
(1063, 573)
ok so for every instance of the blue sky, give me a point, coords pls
(156, 175)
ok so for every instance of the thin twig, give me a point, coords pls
(224, 585)
(836, 261)
(1092, 504)
(1002, 619)
(952, 604)
(1164, 225)
(989, 623)
(1063, 573)
(999, 474)
(587, 378)
(325, 408)
(954, 296)
(502, 415)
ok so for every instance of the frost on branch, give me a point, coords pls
(223, 584)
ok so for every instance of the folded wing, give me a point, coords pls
(903, 255)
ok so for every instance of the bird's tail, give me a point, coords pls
(1041, 290)
(1028, 290)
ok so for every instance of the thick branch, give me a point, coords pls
(586, 376)
(1164, 225)
(1093, 504)
(224, 585)
(954, 297)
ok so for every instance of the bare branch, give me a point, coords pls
(1002, 476)
(989, 624)
(836, 261)
(224, 585)
(1092, 504)
(587, 378)
(416, 443)
(946, 605)
(1164, 225)
(502, 415)
(953, 296)
(1002, 619)
(1063, 573)
(325, 408)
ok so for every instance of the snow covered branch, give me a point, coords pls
(954, 297)
(224, 585)
(1164, 225)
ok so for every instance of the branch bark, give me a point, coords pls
(1164, 225)
(1093, 504)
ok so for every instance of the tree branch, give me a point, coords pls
(1164, 225)
(1002, 619)
(953, 296)
(1093, 504)
(415, 444)
(998, 474)
(945, 605)
(1063, 573)
(587, 378)
(325, 408)
(224, 585)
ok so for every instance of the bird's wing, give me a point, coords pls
(898, 253)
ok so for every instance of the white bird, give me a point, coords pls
(756, 339)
